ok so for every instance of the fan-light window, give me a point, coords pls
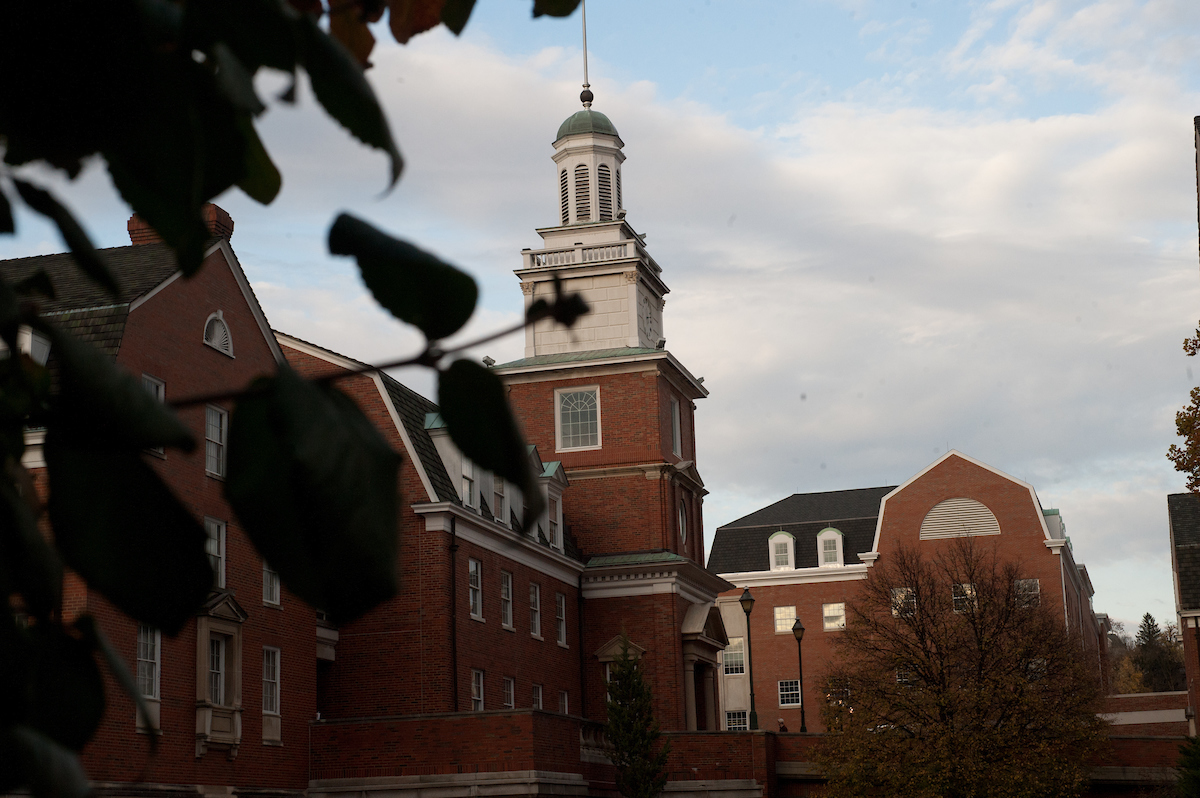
(604, 183)
(562, 190)
(216, 334)
(958, 516)
(579, 419)
(583, 195)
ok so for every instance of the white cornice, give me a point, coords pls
(550, 371)
(798, 576)
(682, 577)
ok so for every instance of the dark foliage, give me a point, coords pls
(632, 730)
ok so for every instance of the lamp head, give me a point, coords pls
(798, 630)
(747, 601)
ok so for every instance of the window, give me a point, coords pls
(537, 697)
(475, 587)
(148, 662)
(476, 691)
(676, 432)
(579, 419)
(555, 529)
(607, 681)
(562, 190)
(834, 616)
(904, 602)
(782, 551)
(499, 500)
(216, 429)
(510, 692)
(583, 195)
(682, 521)
(789, 693)
(506, 615)
(270, 690)
(560, 617)
(157, 389)
(216, 334)
(604, 184)
(1035, 669)
(1029, 592)
(535, 610)
(270, 584)
(904, 676)
(468, 483)
(784, 618)
(838, 691)
(829, 548)
(734, 657)
(216, 670)
(215, 547)
(736, 721)
(964, 597)
(563, 703)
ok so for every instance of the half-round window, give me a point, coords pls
(216, 334)
(956, 517)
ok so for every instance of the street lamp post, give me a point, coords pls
(798, 631)
(747, 602)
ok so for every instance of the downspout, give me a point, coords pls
(454, 613)
(582, 656)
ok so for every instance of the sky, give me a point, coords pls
(889, 228)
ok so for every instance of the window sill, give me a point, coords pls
(561, 644)
(218, 477)
(275, 605)
(537, 637)
(478, 618)
(508, 628)
(155, 453)
(273, 743)
(579, 448)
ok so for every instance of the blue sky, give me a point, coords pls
(888, 228)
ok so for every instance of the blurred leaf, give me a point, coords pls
(262, 181)
(343, 90)
(235, 81)
(124, 532)
(73, 235)
(314, 7)
(106, 405)
(6, 215)
(554, 8)
(414, 285)
(91, 634)
(67, 690)
(348, 25)
(260, 32)
(315, 486)
(455, 14)
(475, 408)
(52, 770)
(36, 283)
(407, 18)
(34, 568)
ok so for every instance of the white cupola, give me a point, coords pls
(588, 154)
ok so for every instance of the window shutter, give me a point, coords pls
(562, 190)
(604, 182)
(583, 195)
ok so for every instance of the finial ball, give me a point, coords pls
(586, 97)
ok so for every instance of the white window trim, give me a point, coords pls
(220, 527)
(964, 593)
(223, 452)
(564, 702)
(791, 551)
(554, 521)
(682, 521)
(825, 616)
(558, 392)
(156, 660)
(499, 508)
(825, 534)
(740, 650)
(477, 693)
(743, 720)
(219, 315)
(1032, 598)
(217, 688)
(775, 619)
(277, 682)
(560, 618)
(158, 389)
(904, 602)
(506, 600)
(468, 487)
(790, 704)
(510, 692)
(535, 697)
(535, 610)
(676, 428)
(475, 592)
(271, 580)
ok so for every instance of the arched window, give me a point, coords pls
(604, 183)
(829, 548)
(562, 190)
(583, 195)
(782, 551)
(619, 205)
(682, 522)
(216, 334)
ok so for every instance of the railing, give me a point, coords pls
(593, 743)
(579, 254)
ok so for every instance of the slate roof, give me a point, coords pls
(81, 305)
(1183, 509)
(741, 545)
(412, 408)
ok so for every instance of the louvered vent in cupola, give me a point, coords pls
(562, 189)
(583, 195)
(604, 183)
(958, 516)
(619, 204)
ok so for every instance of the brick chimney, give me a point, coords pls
(218, 222)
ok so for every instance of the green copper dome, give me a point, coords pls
(586, 121)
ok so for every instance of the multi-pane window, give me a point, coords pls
(1029, 592)
(784, 618)
(216, 430)
(782, 557)
(270, 584)
(506, 610)
(148, 661)
(270, 687)
(157, 389)
(579, 419)
(475, 587)
(214, 546)
(735, 656)
(904, 602)
(829, 551)
(904, 676)
(537, 697)
(468, 483)
(789, 692)
(216, 670)
(964, 597)
(555, 535)
(560, 617)
(676, 430)
(737, 721)
(535, 609)
(563, 702)
(510, 692)
(499, 500)
(476, 691)
(834, 616)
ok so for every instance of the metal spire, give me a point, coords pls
(586, 95)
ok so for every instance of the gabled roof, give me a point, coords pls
(741, 546)
(413, 409)
(1183, 510)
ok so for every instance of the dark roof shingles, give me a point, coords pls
(412, 408)
(1183, 509)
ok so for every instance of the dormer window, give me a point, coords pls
(829, 548)
(468, 483)
(216, 334)
(783, 551)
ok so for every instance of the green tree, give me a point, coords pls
(632, 730)
(1189, 768)
(1158, 654)
(162, 91)
(948, 683)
